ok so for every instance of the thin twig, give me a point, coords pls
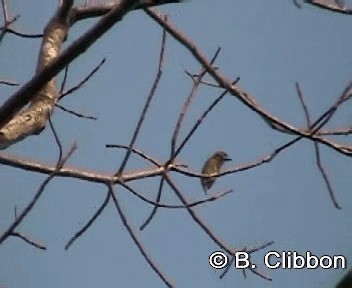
(199, 121)
(7, 20)
(63, 83)
(237, 92)
(29, 241)
(263, 160)
(227, 268)
(204, 227)
(336, 132)
(57, 140)
(210, 198)
(72, 112)
(155, 208)
(82, 82)
(9, 83)
(187, 103)
(303, 103)
(135, 238)
(137, 152)
(60, 163)
(325, 176)
(196, 218)
(21, 34)
(80, 232)
(147, 103)
(327, 115)
(316, 145)
(258, 273)
(4, 10)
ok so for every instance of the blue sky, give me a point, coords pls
(270, 45)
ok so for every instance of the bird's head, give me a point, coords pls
(222, 156)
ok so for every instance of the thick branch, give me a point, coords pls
(27, 92)
(91, 11)
(33, 119)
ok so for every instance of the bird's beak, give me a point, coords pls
(228, 159)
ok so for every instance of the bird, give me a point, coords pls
(213, 166)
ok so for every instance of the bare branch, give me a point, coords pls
(155, 208)
(241, 95)
(85, 80)
(325, 176)
(135, 238)
(199, 121)
(7, 20)
(336, 132)
(324, 4)
(316, 145)
(9, 83)
(95, 10)
(32, 120)
(187, 104)
(63, 83)
(82, 174)
(28, 241)
(57, 140)
(263, 160)
(21, 98)
(147, 103)
(80, 232)
(137, 152)
(74, 113)
(303, 103)
(20, 34)
(196, 218)
(60, 163)
(327, 115)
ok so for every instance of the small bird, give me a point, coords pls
(213, 166)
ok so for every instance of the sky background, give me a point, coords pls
(268, 44)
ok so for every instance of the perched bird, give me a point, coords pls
(213, 166)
